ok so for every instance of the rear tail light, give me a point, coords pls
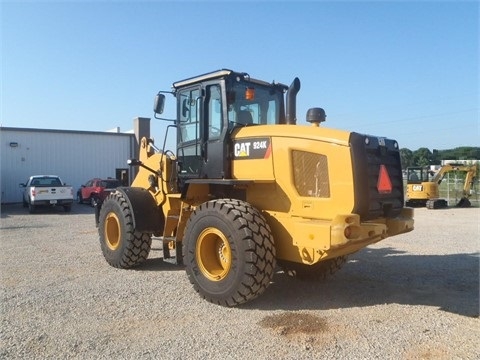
(351, 232)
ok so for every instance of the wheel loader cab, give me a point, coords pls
(209, 108)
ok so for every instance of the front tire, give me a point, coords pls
(228, 252)
(122, 246)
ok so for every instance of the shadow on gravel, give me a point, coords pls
(159, 264)
(383, 276)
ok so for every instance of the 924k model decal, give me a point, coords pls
(255, 148)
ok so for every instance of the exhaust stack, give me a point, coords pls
(292, 102)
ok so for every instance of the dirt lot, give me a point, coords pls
(415, 296)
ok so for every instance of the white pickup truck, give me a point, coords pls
(46, 190)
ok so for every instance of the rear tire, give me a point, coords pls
(94, 200)
(31, 207)
(122, 246)
(317, 271)
(228, 252)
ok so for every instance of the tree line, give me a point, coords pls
(425, 157)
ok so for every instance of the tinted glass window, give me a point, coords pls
(215, 123)
(261, 102)
(189, 128)
(110, 184)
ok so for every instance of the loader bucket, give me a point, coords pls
(464, 203)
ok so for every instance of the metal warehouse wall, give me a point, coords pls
(75, 156)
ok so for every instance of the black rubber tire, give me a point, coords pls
(79, 198)
(416, 203)
(249, 258)
(93, 200)
(31, 207)
(317, 271)
(121, 245)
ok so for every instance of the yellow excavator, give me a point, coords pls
(246, 189)
(423, 185)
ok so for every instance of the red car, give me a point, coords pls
(96, 190)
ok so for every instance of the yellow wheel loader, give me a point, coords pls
(423, 185)
(246, 189)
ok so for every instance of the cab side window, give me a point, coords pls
(189, 132)
(215, 122)
(188, 111)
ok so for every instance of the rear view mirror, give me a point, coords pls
(159, 104)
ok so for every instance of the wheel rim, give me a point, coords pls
(112, 231)
(213, 253)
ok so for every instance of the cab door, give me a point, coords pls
(189, 134)
(215, 162)
(201, 133)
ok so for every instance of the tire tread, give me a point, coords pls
(259, 251)
(138, 244)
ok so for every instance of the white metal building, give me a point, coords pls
(75, 156)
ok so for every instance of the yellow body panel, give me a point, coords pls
(309, 211)
(307, 228)
(423, 191)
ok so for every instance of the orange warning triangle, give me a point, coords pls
(384, 185)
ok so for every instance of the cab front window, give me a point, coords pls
(254, 104)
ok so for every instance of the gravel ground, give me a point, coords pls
(414, 296)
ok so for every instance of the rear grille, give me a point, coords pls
(368, 154)
(310, 174)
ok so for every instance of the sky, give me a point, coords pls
(407, 70)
